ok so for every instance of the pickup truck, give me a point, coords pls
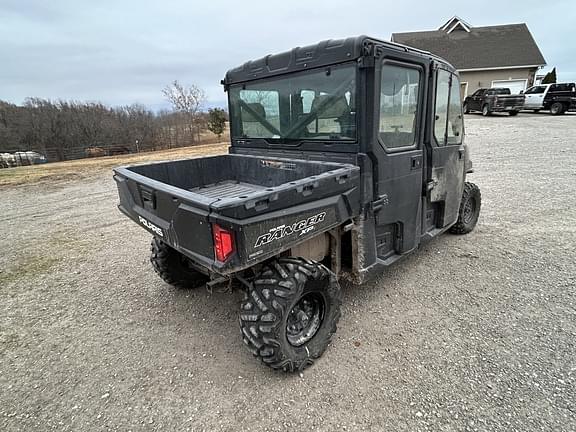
(489, 100)
(557, 98)
(343, 160)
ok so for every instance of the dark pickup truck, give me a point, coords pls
(489, 100)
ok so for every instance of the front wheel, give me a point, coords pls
(557, 108)
(290, 313)
(469, 210)
(173, 267)
(486, 110)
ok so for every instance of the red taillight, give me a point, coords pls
(223, 242)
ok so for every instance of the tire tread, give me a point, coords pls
(261, 335)
(165, 261)
(460, 227)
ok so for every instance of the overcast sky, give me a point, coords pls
(124, 51)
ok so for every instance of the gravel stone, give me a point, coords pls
(474, 332)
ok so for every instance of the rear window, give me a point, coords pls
(564, 87)
(499, 91)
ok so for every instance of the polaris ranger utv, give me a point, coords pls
(344, 157)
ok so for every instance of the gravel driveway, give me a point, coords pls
(469, 333)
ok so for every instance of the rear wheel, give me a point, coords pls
(557, 108)
(290, 313)
(469, 210)
(512, 113)
(173, 267)
(486, 110)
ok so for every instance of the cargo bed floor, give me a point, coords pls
(227, 189)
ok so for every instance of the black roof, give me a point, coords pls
(324, 53)
(482, 47)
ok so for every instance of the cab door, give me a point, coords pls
(399, 156)
(534, 97)
(477, 99)
(445, 182)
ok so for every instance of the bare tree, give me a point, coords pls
(187, 101)
(63, 130)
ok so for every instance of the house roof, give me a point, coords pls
(467, 47)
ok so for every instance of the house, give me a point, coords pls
(492, 56)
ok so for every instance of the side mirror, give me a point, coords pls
(521, 91)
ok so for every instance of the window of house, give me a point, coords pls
(399, 96)
(307, 97)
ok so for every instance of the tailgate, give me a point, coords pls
(510, 100)
(178, 217)
(263, 220)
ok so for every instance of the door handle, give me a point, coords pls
(415, 162)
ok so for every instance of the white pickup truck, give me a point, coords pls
(558, 98)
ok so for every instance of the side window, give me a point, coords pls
(535, 90)
(399, 96)
(448, 126)
(307, 97)
(455, 125)
(441, 107)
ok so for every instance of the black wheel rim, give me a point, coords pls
(469, 210)
(305, 319)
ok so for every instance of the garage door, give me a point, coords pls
(515, 86)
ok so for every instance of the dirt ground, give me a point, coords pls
(470, 333)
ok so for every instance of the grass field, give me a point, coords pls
(81, 168)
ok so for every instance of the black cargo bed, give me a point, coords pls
(227, 189)
(251, 172)
(249, 195)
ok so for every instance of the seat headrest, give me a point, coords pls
(334, 106)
